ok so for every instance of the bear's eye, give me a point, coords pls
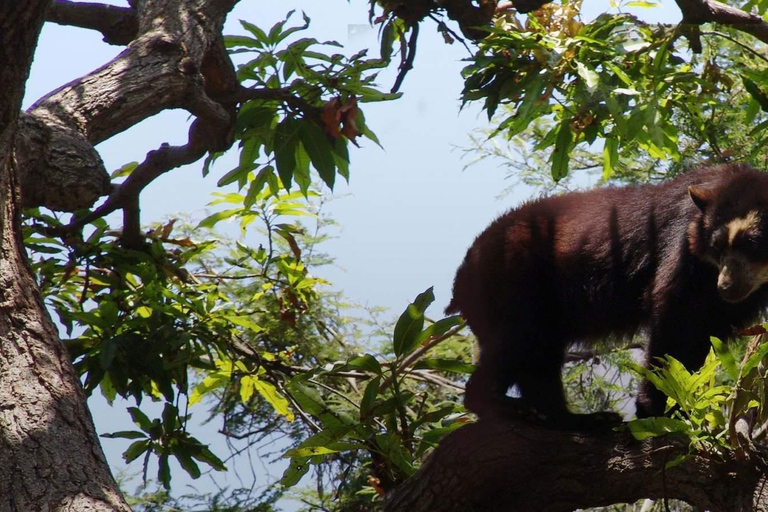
(750, 245)
(719, 240)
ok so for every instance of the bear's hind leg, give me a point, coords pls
(486, 390)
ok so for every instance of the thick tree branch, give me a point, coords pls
(118, 25)
(176, 59)
(698, 12)
(470, 15)
(514, 465)
(58, 167)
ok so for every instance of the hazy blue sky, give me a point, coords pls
(410, 210)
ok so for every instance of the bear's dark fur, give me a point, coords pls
(683, 260)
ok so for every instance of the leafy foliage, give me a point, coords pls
(707, 409)
(304, 109)
(629, 84)
(397, 417)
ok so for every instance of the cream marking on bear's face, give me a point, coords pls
(747, 224)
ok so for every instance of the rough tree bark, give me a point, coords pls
(50, 456)
(514, 465)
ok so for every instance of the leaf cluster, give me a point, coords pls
(629, 84)
(400, 413)
(301, 108)
(708, 406)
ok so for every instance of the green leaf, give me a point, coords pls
(135, 450)
(285, 142)
(243, 321)
(261, 36)
(341, 156)
(365, 363)
(140, 419)
(677, 460)
(211, 382)
(448, 365)
(164, 471)
(301, 171)
(108, 352)
(645, 4)
(212, 220)
(439, 328)
(299, 28)
(433, 416)
(392, 447)
(610, 157)
(297, 468)
(170, 418)
(311, 451)
(125, 170)
(318, 147)
(277, 29)
(387, 40)
(726, 358)
(126, 434)
(755, 359)
(757, 94)
(561, 155)
(247, 388)
(591, 79)
(369, 397)
(188, 464)
(651, 427)
(244, 41)
(204, 454)
(269, 392)
(410, 323)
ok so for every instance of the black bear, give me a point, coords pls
(683, 260)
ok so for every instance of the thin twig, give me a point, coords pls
(408, 62)
(734, 41)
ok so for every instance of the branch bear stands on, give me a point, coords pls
(683, 260)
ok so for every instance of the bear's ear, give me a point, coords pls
(701, 197)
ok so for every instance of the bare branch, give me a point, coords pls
(155, 164)
(407, 64)
(118, 25)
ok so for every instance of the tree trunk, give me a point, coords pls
(513, 465)
(49, 452)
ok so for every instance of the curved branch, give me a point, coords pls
(407, 63)
(126, 195)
